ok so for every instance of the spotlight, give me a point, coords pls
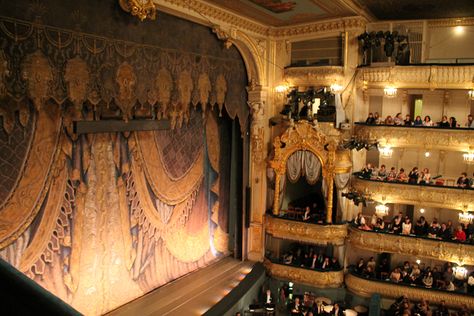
(359, 146)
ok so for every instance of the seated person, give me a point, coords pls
(444, 233)
(408, 121)
(379, 225)
(359, 220)
(398, 120)
(306, 215)
(452, 122)
(366, 173)
(370, 119)
(396, 275)
(421, 227)
(406, 226)
(389, 120)
(392, 175)
(444, 122)
(418, 121)
(335, 264)
(360, 267)
(425, 176)
(463, 181)
(460, 235)
(381, 173)
(470, 121)
(428, 280)
(402, 176)
(433, 229)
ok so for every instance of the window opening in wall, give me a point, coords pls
(417, 106)
(318, 52)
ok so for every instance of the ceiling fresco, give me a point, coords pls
(286, 12)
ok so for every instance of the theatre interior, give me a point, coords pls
(237, 157)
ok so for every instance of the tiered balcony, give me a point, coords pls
(314, 76)
(460, 253)
(455, 139)
(322, 279)
(426, 195)
(304, 231)
(366, 287)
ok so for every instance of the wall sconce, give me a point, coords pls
(381, 210)
(386, 151)
(281, 88)
(470, 94)
(390, 91)
(468, 157)
(335, 88)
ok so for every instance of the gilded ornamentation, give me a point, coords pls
(38, 73)
(443, 139)
(462, 254)
(257, 131)
(77, 78)
(142, 9)
(449, 77)
(126, 79)
(329, 279)
(222, 35)
(164, 84)
(185, 87)
(312, 76)
(366, 288)
(221, 90)
(304, 232)
(204, 87)
(433, 196)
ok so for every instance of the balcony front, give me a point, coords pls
(416, 194)
(320, 279)
(455, 139)
(305, 232)
(367, 287)
(460, 253)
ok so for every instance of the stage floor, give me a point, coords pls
(192, 294)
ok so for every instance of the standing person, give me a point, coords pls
(425, 176)
(413, 176)
(470, 121)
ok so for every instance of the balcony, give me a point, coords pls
(305, 232)
(314, 76)
(457, 139)
(326, 279)
(460, 253)
(366, 287)
(418, 76)
(426, 195)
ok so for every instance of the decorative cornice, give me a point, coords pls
(428, 195)
(329, 279)
(462, 254)
(417, 77)
(439, 139)
(332, 25)
(366, 288)
(305, 232)
(451, 22)
(314, 76)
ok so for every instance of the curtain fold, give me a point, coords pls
(303, 163)
(312, 167)
(340, 114)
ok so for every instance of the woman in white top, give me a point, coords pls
(406, 227)
(427, 121)
(425, 176)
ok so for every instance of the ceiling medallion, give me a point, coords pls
(142, 9)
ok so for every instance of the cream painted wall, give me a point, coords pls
(445, 43)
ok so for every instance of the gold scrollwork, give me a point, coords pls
(142, 9)
(304, 232)
(366, 288)
(461, 254)
(329, 279)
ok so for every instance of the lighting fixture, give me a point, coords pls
(422, 210)
(466, 217)
(427, 154)
(281, 88)
(458, 30)
(390, 91)
(386, 151)
(470, 93)
(381, 210)
(468, 157)
(335, 88)
(418, 261)
(460, 272)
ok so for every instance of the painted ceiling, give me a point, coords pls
(286, 12)
(418, 9)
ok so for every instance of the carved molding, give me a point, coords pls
(417, 77)
(305, 232)
(462, 254)
(432, 196)
(329, 279)
(451, 22)
(443, 139)
(366, 288)
(314, 76)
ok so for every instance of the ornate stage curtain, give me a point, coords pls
(303, 163)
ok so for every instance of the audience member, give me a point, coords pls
(418, 121)
(370, 119)
(470, 121)
(427, 121)
(444, 122)
(408, 121)
(398, 120)
(463, 181)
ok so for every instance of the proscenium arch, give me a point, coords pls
(303, 137)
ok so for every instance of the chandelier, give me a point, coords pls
(386, 151)
(465, 217)
(390, 91)
(381, 210)
(468, 157)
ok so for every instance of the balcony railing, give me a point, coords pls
(422, 76)
(426, 195)
(314, 76)
(452, 139)
(460, 253)
(366, 287)
(322, 279)
(305, 232)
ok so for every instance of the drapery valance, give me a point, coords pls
(303, 163)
